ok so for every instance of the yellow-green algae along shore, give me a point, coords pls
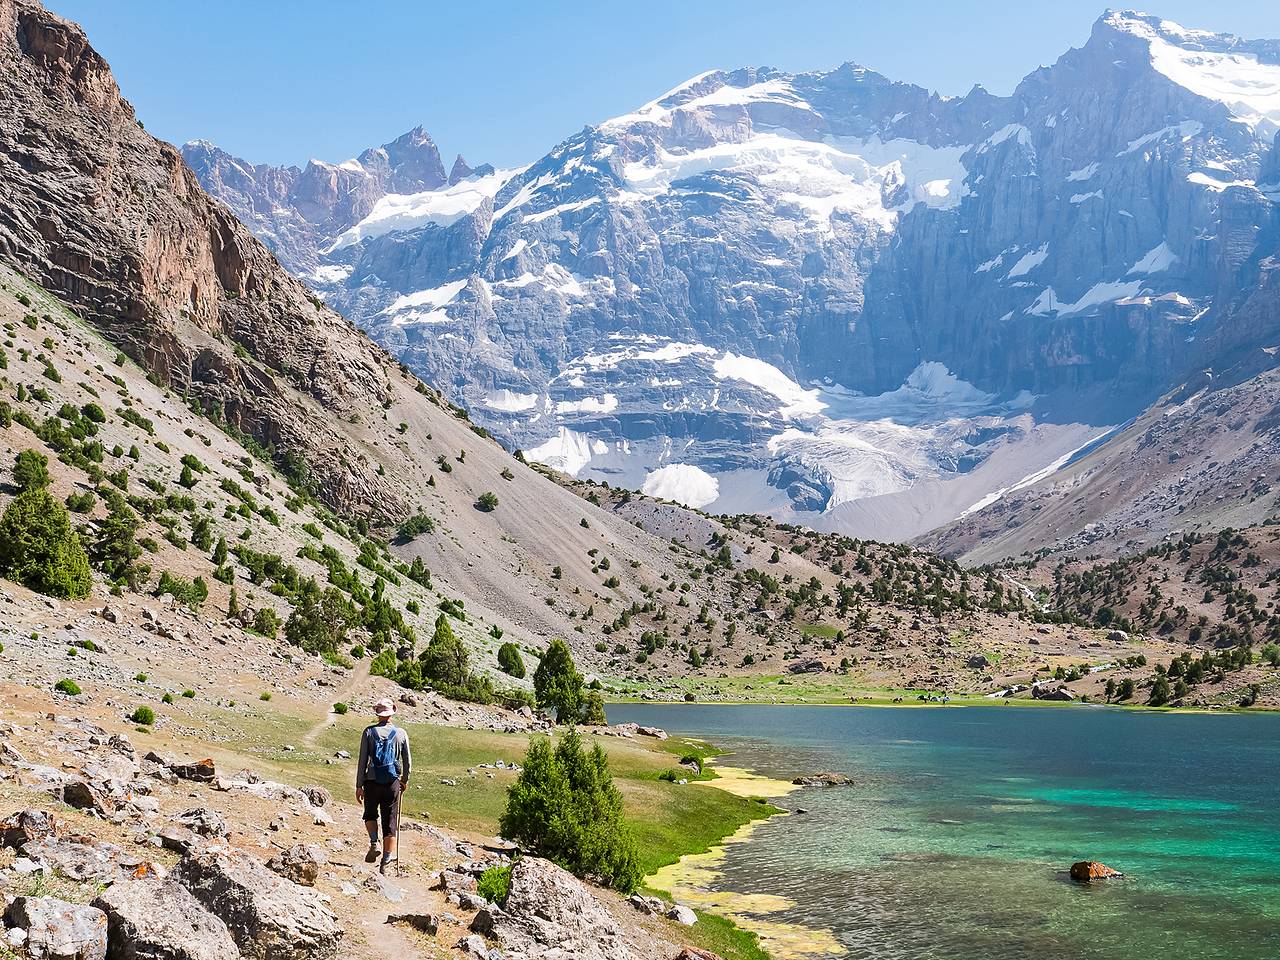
(691, 880)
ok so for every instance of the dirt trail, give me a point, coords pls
(357, 677)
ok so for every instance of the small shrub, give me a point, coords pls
(340, 708)
(487, 501)
(510, 661)
(494, 885)
(264, 697)
(144, 716)
(189, 694)
(69, 687)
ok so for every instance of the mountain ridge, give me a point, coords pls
(727, 292)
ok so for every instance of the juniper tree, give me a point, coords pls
(564, 806)
(510, 661)
(31, 470)
(557, 683)
(39, 549)
(445, 661)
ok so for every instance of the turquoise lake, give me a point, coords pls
(955, 840)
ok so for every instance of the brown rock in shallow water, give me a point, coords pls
(825, 779)
(1086, 871)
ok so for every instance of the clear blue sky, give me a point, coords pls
(284, 80)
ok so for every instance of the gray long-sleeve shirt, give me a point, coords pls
(382, 730)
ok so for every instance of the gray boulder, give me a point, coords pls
(301, 863)
(26, 826)
(202, 821)
(58, 930)
(86, 796)
(317, 795)
(270, 918)
(547, 908)
(83, 859)
(161, 920)
(650, 906)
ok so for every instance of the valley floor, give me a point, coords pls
(258, 707)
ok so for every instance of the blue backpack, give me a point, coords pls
(385, 756)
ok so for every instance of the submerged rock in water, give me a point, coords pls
(825, 779)
(1086, 871)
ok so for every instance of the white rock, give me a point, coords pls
(683, 915)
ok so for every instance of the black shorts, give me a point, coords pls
(383, 799)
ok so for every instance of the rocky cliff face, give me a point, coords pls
(297, 211)
(838, 298)
(114, 222)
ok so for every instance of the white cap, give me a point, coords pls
(384, 708)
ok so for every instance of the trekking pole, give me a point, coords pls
(399, 835)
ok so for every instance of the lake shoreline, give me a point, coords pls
(689, 880)
(957, 832)
(960, 701)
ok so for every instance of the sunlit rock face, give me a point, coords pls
(832, 297)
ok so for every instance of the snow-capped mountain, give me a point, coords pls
(298, 211)
(833, 297)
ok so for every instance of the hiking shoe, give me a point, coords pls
(375, 851)
(386, 862)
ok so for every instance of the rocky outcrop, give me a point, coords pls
(270, 918)
(297, 211)
(161, 920)
(115, 223)
(1042, 691)
(1087, 871)
(57, 930)
(550, 912)
(26, 826)
(824, 779)
(202, 821)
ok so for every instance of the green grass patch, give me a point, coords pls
(669, 821)
(720, 936)
(824, 630)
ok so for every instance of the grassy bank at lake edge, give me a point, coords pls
(801, 690)
(669, 820)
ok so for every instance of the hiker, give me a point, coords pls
(381, 777)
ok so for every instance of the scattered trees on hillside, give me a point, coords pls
(193, 593)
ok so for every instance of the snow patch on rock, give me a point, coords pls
(683, 483)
